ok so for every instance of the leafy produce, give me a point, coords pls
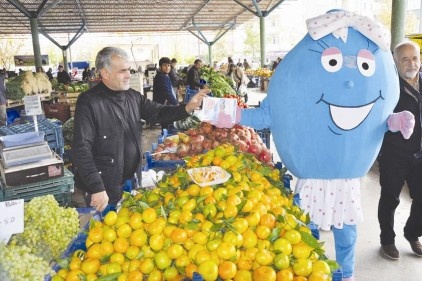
(218, 83)
(49, 228)
(68, 131)
(245, 228)
(24, 84)
(18, 263)
(207, 136)
(43, 83)
(191, 121)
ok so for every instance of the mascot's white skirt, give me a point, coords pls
(331, 202)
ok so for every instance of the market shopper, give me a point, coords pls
(62, 76)
(3, 99)
(174, 77)
(194, 80)
(328, 130)
(49, 74)
(107, 131)
(400, 159)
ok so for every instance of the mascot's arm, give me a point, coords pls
(257, 118)
(402, 121)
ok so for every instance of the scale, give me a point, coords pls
(27, 157)
(24, 154)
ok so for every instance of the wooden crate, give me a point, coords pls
(60, 111)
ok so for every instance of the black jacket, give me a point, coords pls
(394, 143)
(163, 90)
(97, 149)
(193, 78)
(63, 77)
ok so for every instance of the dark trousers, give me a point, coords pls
(394, 173)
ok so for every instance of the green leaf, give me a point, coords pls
(275, 234)
(309, 240)
(110, 277)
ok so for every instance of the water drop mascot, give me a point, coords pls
(329, 103)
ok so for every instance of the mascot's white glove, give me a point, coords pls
(402, 121)
(224, 120)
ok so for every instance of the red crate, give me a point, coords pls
(60, 111)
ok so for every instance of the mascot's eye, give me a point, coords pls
(366, 63)
(332, 59)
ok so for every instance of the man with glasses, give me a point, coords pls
(400, 159)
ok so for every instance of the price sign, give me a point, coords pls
(32, 105)
(11, 218)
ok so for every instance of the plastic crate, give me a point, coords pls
(52, 129)
(62, 189)
(166, 165)
(265, 135)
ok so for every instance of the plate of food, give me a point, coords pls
(206, 176)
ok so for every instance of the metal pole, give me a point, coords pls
(35, 41)
(262, 39)
(209, 53)
(70, 56)
(65, 60)
(398, 11)
(420, 16)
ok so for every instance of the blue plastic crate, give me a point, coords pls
(167, 165)
(52, 129)
(265, 135)
(61, 188)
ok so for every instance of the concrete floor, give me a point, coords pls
(370, 265)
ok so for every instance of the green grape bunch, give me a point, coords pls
(18, 263)
(49, 228)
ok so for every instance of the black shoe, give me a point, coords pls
(390, 251)
(416, 247)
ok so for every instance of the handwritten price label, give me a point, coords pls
(11, 218)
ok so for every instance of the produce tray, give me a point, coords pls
(62, 189)
(168, 165)
(52, 129)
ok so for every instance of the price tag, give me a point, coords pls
(11, 218)
(32, 105)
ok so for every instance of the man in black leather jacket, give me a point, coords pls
(399, 161)
(107, 131)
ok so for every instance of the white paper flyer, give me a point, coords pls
(212, 108)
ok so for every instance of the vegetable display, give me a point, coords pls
(24, 84)
(218, 83)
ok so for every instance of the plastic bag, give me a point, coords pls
(242, 91)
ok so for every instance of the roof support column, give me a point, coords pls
(66, 68)
(35, 41)
(398, 12)
(209, 54)
(262, 39)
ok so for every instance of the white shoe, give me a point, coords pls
(351, 278)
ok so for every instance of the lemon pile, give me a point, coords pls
(244, 229)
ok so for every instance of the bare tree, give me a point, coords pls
(8, 48)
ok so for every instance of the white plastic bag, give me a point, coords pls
(243, 90)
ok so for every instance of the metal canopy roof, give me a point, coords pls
(78, 16)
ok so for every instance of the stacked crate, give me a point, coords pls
(62, 189)
(58, 111)
(69, 99)
(53, 133)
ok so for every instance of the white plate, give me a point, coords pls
(206, 176)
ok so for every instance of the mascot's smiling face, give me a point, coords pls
(329, 102)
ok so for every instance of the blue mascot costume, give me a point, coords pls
(329, 103)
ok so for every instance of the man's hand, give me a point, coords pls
(402, 121)
(99, 201)
(196, 101)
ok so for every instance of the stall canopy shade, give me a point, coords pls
(71, 16)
